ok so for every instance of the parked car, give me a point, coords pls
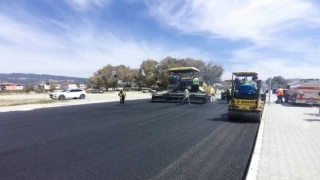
(69, 94)
(96, 91)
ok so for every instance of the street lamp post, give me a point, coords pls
(44, 93)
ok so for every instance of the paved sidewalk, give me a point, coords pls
(290, 147)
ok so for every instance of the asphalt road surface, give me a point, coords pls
(141, 140)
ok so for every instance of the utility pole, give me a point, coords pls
(44, 94)
(269, 89)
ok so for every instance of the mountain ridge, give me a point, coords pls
(33, 78)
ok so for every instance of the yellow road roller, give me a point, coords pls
(248, 99)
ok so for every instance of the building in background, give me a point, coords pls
(81, 86)
(227, 83)
(19, 87)
(8, 86)
(57, 86)
(67, 86)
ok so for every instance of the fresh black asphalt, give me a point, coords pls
(141, 140)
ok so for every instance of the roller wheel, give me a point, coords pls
(232, 116)
(245, 116)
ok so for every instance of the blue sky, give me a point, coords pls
(77, 37)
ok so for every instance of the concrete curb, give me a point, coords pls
(255, 159)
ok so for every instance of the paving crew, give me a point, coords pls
(319, 98)
(246, 81)
(254, 82)
(228, 91)
(122, 95)
(279, 94)
(195, 84)
(186, 96)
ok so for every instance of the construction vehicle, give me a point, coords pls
(180, 79)
(226, 85)
(245, 107)
(304, 92)
(223, 94)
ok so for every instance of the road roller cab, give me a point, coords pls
(248, 100)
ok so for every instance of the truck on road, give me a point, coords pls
(304, 92)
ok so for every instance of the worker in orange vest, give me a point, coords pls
(280, 94)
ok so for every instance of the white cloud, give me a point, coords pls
(279, 31)
(86, 4)
(269, 65)
(252, 19)
(276, 67)
(79, 50)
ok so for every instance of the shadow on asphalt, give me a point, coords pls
(312, 120)
(295, 105)
(221, 102)
(177, 103)
(224, 118)
(312, 114)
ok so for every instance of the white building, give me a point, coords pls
(57, 86)
(67, 86)
(40, 86)
(82, 86)
(19, 87)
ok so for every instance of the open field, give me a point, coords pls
(4, 103)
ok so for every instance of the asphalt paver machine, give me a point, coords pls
(181, 78)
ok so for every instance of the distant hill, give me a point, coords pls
(28, 79)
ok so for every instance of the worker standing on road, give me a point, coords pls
(195, 84)
(228, 91)
(319, 98)
(280, 94)
(122, 95)
(186, 96)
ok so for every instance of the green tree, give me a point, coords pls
(149, 72)
(278, 81)
(52, 87)
(124, 74)
(28, 88)
(190, 62)
(212, 73)
(136, 77)
(163, 67)
(104, 77)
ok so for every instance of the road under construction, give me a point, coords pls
(142, 140)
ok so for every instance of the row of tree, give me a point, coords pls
(278, 81)
(152, 72)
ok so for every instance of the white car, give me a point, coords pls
(69, 94)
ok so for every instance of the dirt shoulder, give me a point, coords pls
(18, 101)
